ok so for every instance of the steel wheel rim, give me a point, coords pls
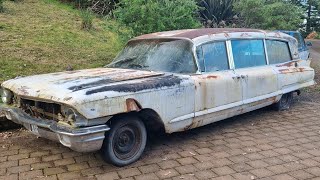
(127, 142)
(284, 100)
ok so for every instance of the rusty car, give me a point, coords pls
(168, 81)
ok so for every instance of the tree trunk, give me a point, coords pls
(309, 19)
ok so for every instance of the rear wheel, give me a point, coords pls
(285, 102)
(125, 142)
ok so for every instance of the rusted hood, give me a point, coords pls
(64, 86)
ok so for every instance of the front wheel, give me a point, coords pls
(285, 102)
(125, 142)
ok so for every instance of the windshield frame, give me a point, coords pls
(192, 49)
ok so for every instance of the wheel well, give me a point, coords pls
(149, 117)
(152, 120)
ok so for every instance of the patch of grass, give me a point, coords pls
(41, 36)
(87, 18)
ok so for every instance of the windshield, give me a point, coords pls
(157, 55)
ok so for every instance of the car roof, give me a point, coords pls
(289, 32)
(203, 35)
(196, 33)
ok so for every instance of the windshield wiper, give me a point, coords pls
(138, 66)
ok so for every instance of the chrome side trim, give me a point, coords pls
(244, 102)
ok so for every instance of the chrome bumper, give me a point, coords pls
(84, 139)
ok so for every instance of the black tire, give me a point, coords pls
(285, 102)
(125, 142)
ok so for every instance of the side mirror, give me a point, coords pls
(309, 43)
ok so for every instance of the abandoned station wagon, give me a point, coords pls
(171, 81)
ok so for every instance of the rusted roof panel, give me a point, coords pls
(194, 33)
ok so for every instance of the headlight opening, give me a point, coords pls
(6, 96)
(69, 114)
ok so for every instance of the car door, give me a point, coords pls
(217, 89)
(292, 74)
(259, 81)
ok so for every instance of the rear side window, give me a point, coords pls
(213, 57)
(300, 40)
(278, 51)
(248, 53)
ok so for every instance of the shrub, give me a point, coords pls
(269, 14)
(216, 13)
(100, 7)
(87, 19)
(146, 16)
(1, 6)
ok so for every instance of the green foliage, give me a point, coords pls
(114, 26)
(311, 16)
(100, 7)
(269, 14)
(146, 16)
(313, 12)
(87, 18)
(216, 13)
(1, 6)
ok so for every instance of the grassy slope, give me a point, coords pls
(40, 36)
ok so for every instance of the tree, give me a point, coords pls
(146, 16)
(311, 15)
(269, 14)
(313, 20)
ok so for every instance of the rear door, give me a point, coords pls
(217, 88)
(292, 74)
(259, 81)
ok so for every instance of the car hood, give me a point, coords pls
(65, 86)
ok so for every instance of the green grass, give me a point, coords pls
(41, 36)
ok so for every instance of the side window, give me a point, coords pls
(278, 51)
(248, 53)
(300, 40)
(213, 57)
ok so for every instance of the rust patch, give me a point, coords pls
(277, 34)
(287, 71)
(23, 90)
(212, 77)
(207, 77)
(245, 35)
(132, 105)
(288, 64)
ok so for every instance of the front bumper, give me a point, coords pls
(86, 139)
